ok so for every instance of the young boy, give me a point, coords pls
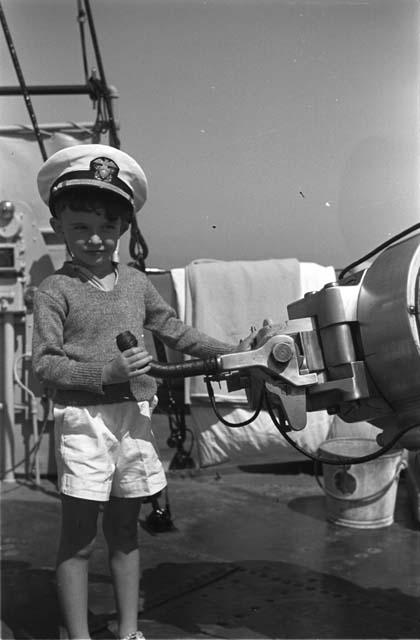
(103, 399)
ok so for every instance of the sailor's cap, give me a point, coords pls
(93, 165)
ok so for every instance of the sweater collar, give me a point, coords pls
(91, 277)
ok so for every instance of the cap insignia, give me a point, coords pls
(105, 169)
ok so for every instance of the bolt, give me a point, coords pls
(282, 352)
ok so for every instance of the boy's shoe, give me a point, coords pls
(136, 635)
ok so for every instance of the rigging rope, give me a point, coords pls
(100, 94)
(81, 18)
(113, 137)
(22, 83)
(138, 247)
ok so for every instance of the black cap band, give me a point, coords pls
(86, 179)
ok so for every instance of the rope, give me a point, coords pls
(81, 18)
(137, 246)
(22, 83)
(113, 137)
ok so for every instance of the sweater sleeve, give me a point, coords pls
(161, 320)
(50, 362)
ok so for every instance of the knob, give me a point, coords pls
(126, 340)
(7, 211)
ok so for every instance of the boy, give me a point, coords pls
(103, 399)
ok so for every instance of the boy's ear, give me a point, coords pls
(56, 225)
(124, 226)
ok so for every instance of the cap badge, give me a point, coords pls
(105, 169)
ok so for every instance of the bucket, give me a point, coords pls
(361, 495)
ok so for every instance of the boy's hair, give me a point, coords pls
(86, 199)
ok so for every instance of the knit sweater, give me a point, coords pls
(75, 329)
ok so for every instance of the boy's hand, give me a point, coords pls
(257, 337)
(268, 330)
(248, 343)
(129, 364)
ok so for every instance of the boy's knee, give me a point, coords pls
(121, 536)
(79, 548)
(120, 524)
(78, 527)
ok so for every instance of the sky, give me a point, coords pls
(267, 128)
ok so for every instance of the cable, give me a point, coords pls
(282, 427)
(382, 246)
(226, 422)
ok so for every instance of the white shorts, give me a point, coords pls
(107, 449)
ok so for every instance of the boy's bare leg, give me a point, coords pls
(120, 525)
(78, 531)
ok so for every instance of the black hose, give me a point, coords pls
(184, 369)
(126, 340)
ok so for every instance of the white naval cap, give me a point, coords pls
(93, 165)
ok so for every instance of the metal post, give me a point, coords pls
(34, 419)
(8, 418)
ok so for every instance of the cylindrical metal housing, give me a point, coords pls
(388, 316)
(337, 344)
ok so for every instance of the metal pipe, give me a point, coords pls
(34, 414)
(154, 271)
(34, 419)
(47, 90)
(8, 422)
(50, 127)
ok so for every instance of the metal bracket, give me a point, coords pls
(293, 403)
(278, 363)
(277, 356)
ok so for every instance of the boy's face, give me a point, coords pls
(90, 236)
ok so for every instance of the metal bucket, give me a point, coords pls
(361, 495)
